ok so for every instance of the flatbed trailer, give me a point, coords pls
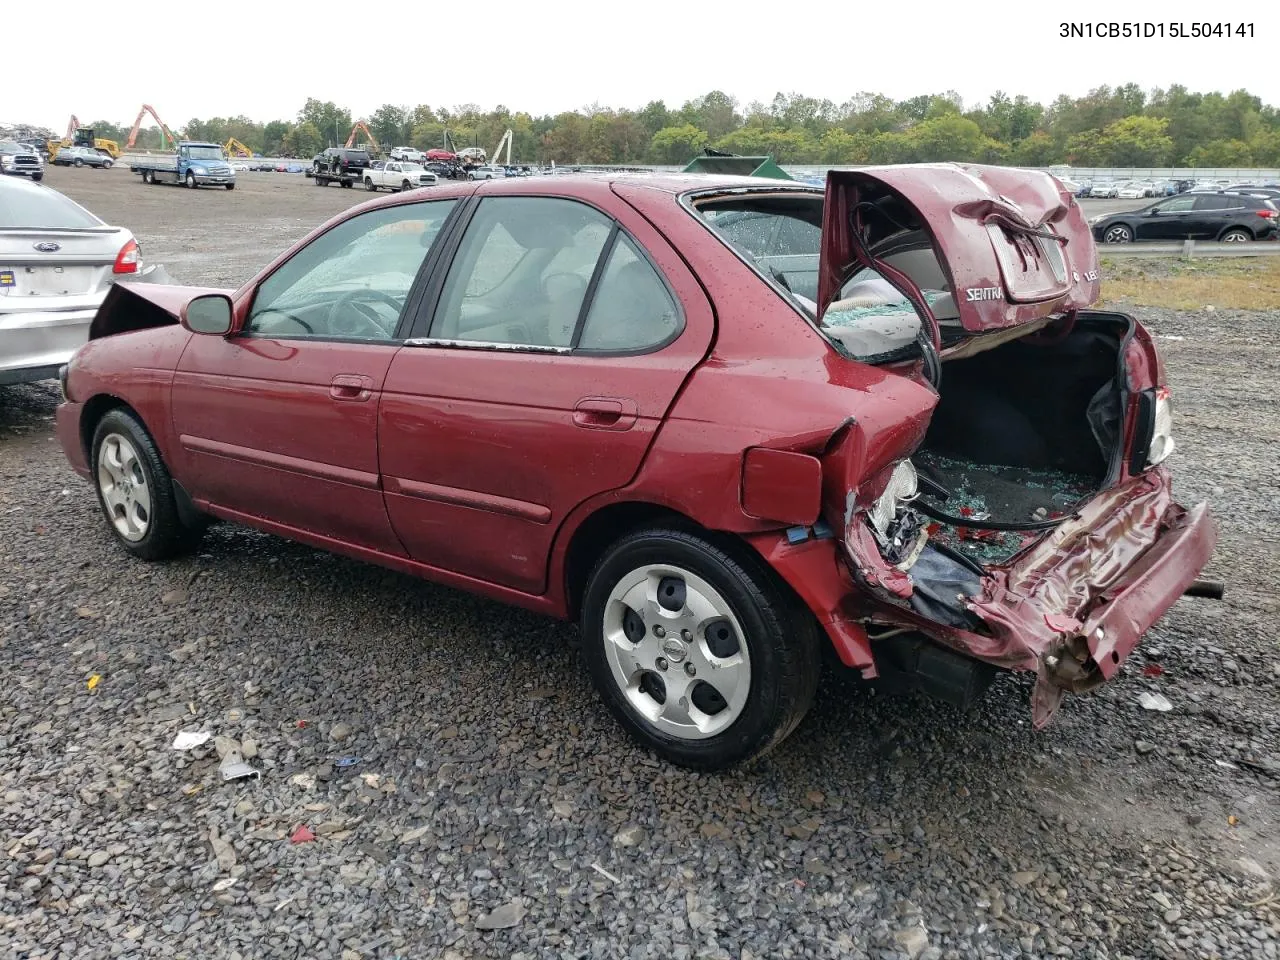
(194, 165)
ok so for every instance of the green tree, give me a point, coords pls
(390, 124)
(273, 135)
(1136, 141)
(1222, 153)
(332, 122)
(677, 145)
(949, 137)
(304, 141)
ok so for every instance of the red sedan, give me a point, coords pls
(719, 421)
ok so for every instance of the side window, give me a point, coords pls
(632, 308)
(1180, 205)
(521, 272)
(1211, 202)
(351, 281)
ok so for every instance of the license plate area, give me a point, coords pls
(45, 281)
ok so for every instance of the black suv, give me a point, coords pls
(345, 165)
(1224, 215)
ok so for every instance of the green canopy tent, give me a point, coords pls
(739, 166)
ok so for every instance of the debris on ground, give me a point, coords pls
(1154, 701)
(302, 835)
(190, 739)
(505, 916)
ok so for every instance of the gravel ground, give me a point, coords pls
(495, 810)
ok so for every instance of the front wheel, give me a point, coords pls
(191, 180)
(79, 162)
(368, 185)
(697, 649)
(231, 186)
(135, 490)
(1118, 233)
(405, 186)
(1237, 235)
(106, 164)
(37, 177)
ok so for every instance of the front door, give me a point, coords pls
(279, 421)
(557, 342)
(1169, 223)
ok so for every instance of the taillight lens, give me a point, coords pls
(128, 259)
(1162, 428)
(1267, 214)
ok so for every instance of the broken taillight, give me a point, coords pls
(1162, 428)
(128, 259)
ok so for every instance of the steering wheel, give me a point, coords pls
(350, 306)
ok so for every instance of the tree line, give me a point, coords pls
(1123, 126)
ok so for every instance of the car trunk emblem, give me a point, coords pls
(48, 246)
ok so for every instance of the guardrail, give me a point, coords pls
(1189, 249)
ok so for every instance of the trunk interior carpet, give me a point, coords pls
(990, 491)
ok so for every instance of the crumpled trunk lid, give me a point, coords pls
(1014, 243)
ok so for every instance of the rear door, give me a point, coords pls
(1014, 244)
(279, 421)
(559, 336)
(1210, 216)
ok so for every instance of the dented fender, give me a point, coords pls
(141, 306)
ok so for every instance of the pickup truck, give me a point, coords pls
(195, 164)
(397, 175)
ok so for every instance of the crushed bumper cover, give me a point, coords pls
(1070, 607)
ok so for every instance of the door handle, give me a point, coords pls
(350, 386)
(605, 413)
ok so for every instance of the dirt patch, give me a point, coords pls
(1251, 284)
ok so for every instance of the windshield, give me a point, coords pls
(23, 206)
(206, 153)
(408, 165)
(8, 146)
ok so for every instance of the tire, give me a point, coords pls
(346, 184)
(77, 162)
(1236, 235)
(37, 177)
(471, 176)
(123, 450)
(406, 186)
(191, 180)
(1118, 233)
(231, 186)
(106, 164)
(766, 665)
(368, 185)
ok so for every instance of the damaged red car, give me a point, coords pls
(719, 421)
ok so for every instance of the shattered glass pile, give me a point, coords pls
(987, 491)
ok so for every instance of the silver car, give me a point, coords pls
(57, 262)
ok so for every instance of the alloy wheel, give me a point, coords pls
(676, 651)
(123, 484)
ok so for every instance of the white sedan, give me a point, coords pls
(57, 264)
(1131, 191)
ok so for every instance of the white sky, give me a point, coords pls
(263, 58)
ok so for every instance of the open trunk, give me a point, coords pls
(1022, 434)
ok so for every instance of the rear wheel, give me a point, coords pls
(697, 649)
(1237, 235)
(1117, 233)
(135, 490)
(106, 164)
(346, 183)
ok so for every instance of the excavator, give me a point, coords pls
(497, 151)
(78, 136)
(361, 128)
(169, 139)
(235, 148)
